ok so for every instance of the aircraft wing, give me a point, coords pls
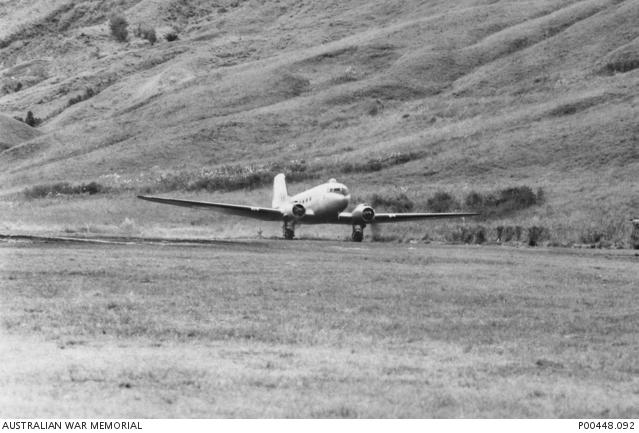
(347, 217)
(261, 213)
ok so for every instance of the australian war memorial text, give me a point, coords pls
(71, 425)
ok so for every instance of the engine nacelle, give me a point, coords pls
(294, 210)
(363, 213)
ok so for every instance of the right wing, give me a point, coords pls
(347, 217)
(393, 217)
(261, 213)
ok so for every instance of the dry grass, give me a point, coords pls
(265, 329)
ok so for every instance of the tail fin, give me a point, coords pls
(280, 196)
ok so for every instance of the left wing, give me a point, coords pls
(261, 213)
(347, 217)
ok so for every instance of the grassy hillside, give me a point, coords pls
(483, 95)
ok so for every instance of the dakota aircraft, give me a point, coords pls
(323, 204)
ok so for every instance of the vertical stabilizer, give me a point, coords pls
(280, 196)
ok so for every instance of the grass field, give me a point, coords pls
(317, 329)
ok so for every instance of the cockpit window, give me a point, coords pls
(339, 190)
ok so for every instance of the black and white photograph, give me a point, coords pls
(276, 209)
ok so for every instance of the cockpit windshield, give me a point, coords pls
(339, 189)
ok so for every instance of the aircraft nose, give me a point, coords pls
(344, 201)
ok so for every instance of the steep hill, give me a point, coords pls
(482, 95)
(13, 132)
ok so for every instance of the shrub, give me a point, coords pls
(442, 202)
(146, 32)
(63, 188)
(504, 201)
(12, 87)
(474, 200)
(91, 188)
(171, 36)
(377, 164)
(509, 233)
(516, 198)
(88, 93)
(31, 120)
(536, 234)
(467, 235)
(622, 65)
(634, 235)
(231, 177)
(118, 25)
(396, 203)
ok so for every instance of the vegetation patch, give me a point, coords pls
(379, 163)
(235, 177)
(503, 202)
(118, 25)
(623, 59)
(468, 235)
(63, 188)
(509, 233)
(30, 119)
(146, 32)
(442, 202)
(88, 93)
(622, 65)
(536, 234)
(392, 203)
(576, 106)
(230, 177)
(171, 36)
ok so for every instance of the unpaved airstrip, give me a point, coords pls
(306, 328)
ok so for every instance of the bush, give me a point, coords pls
(118, 25)
(88, 93)
(146, 32)
(63, 188)
(376, 164)
(231, 177)
(536, 234)
(171, 36)
(634, 235)
(467, 235)
(442, 202)
(31, 120)
(474, 200)
(504, 201)
(11, 87)
(622, 65)
(396, 203)
(509, 233)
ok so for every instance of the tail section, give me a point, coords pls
(280, 196)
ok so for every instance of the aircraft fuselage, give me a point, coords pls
(323, 203)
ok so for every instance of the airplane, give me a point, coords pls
(323, 204)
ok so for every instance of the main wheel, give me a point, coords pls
(357, 235)
(289, 233)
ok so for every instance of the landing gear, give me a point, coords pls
(358, 233)
(288, 230)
